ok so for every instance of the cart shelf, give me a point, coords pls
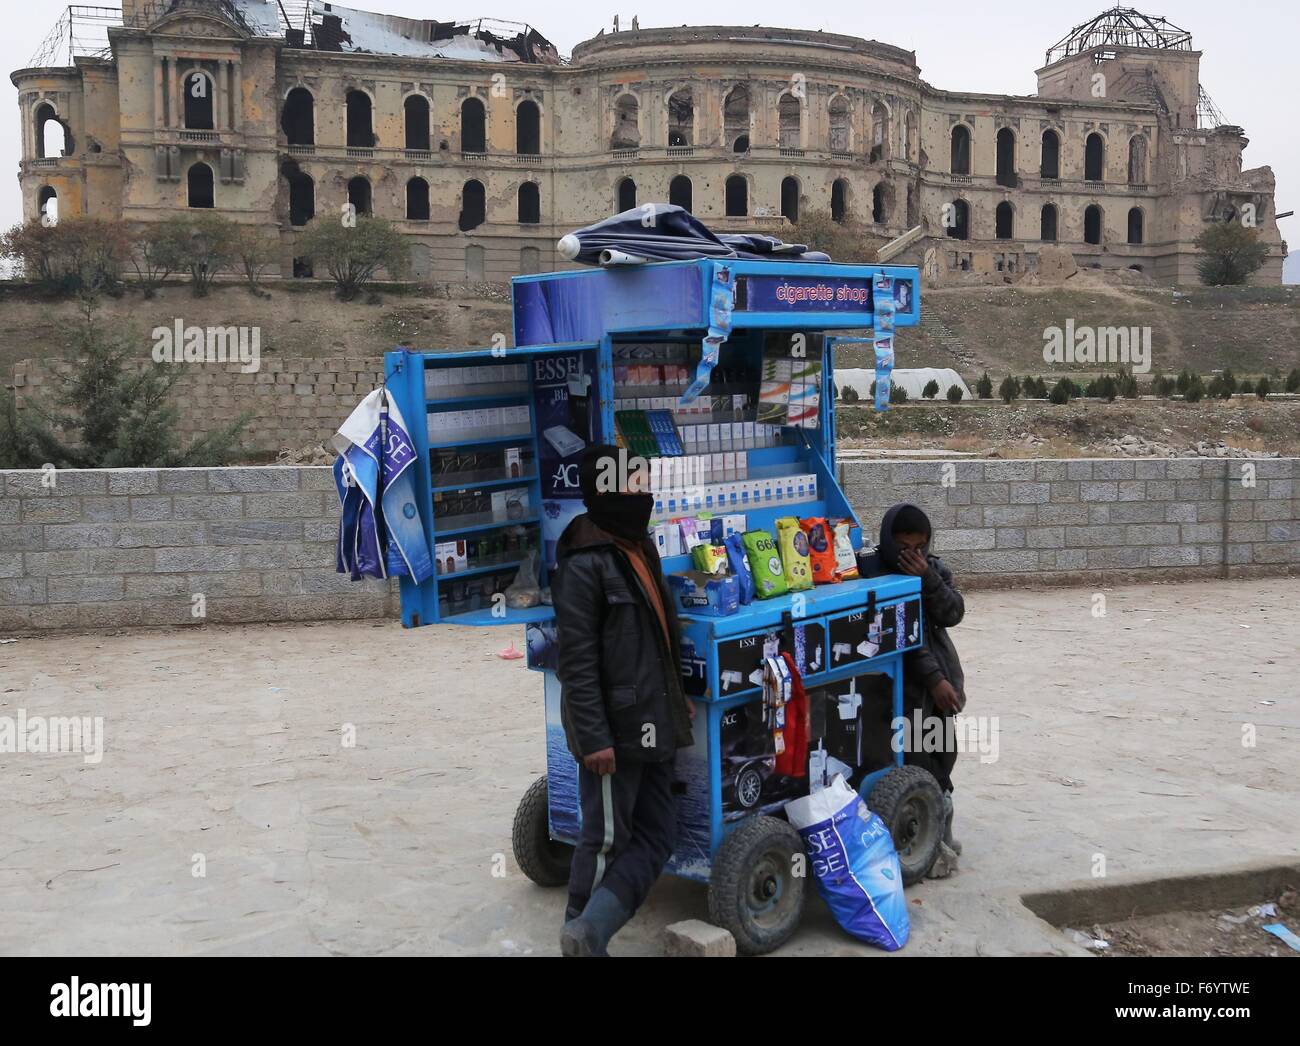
(484, 479)
(450, 526)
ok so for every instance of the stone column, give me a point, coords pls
(172, 115)
(238, 88)
(221, 121)
(159, 107)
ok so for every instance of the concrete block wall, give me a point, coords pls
(1077, 520)
(134, 547)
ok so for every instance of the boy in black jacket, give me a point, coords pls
(624, 710)
(933, 680)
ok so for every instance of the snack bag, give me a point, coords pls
(709, 559)
(735, 546)
(764, 564)
(793, 544)
(846, 561)
(821, 550)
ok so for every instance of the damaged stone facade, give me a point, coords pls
(486, 149)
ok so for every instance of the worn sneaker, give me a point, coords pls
(579, 939)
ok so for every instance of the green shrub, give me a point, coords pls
(122, 415)
(931, 389)
(984, 387)
(352, 254)
(954, 393)
(1009, 389)
(1231, 253)
(1061, 393)
(1262, 389)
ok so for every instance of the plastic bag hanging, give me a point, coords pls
(882, 298)
(722, 301)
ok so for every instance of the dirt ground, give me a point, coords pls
(1230, 931)
(1120, 737)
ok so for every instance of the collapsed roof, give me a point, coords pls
(336, 28)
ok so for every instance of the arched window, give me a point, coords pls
(737, 193)
(1135, 225)
(1047, 223)
(627, 123)
(198, 102)
(681, 117)
(958, 220)
(1006, 157)
(361, 134)
(47, 203)
(679, 192)
(528, 129)
(359, 195)
(302, 195)
(1050, 165)
(473, 205)
(473, 126)
(298, 119)
(879, 132)
(416, 109)
(839, 125)
(839, 200)
(879, 203)
(530, 204)
(735, 119)
(960, 149)
(909, 135)
(199, 186)
(626, 194)
(530, 261)
(51, 138)
(1004, 221)
(790, 198)
(789, 122)
(1092, 224)
(417, 200)
(913, 208)
(1094, 158)
(1137, 160)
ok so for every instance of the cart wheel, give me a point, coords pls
(909, 801)
(542, 859)
(749, 788)
(753, 891)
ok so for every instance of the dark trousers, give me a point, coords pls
(629, 826)
(939, 763)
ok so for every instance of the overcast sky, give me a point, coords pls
(1250, 53)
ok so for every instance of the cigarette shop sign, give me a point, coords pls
(803, 294)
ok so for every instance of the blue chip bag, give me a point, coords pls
(740, 567)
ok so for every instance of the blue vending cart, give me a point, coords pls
(721, 373)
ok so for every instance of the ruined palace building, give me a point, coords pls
(485, 145)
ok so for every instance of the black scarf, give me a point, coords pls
(624, 515)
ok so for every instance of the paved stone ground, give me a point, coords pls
(1119, 736)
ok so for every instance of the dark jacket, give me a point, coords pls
(618, 673)
(943, 609)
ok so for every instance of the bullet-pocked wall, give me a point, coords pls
(485, 155)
